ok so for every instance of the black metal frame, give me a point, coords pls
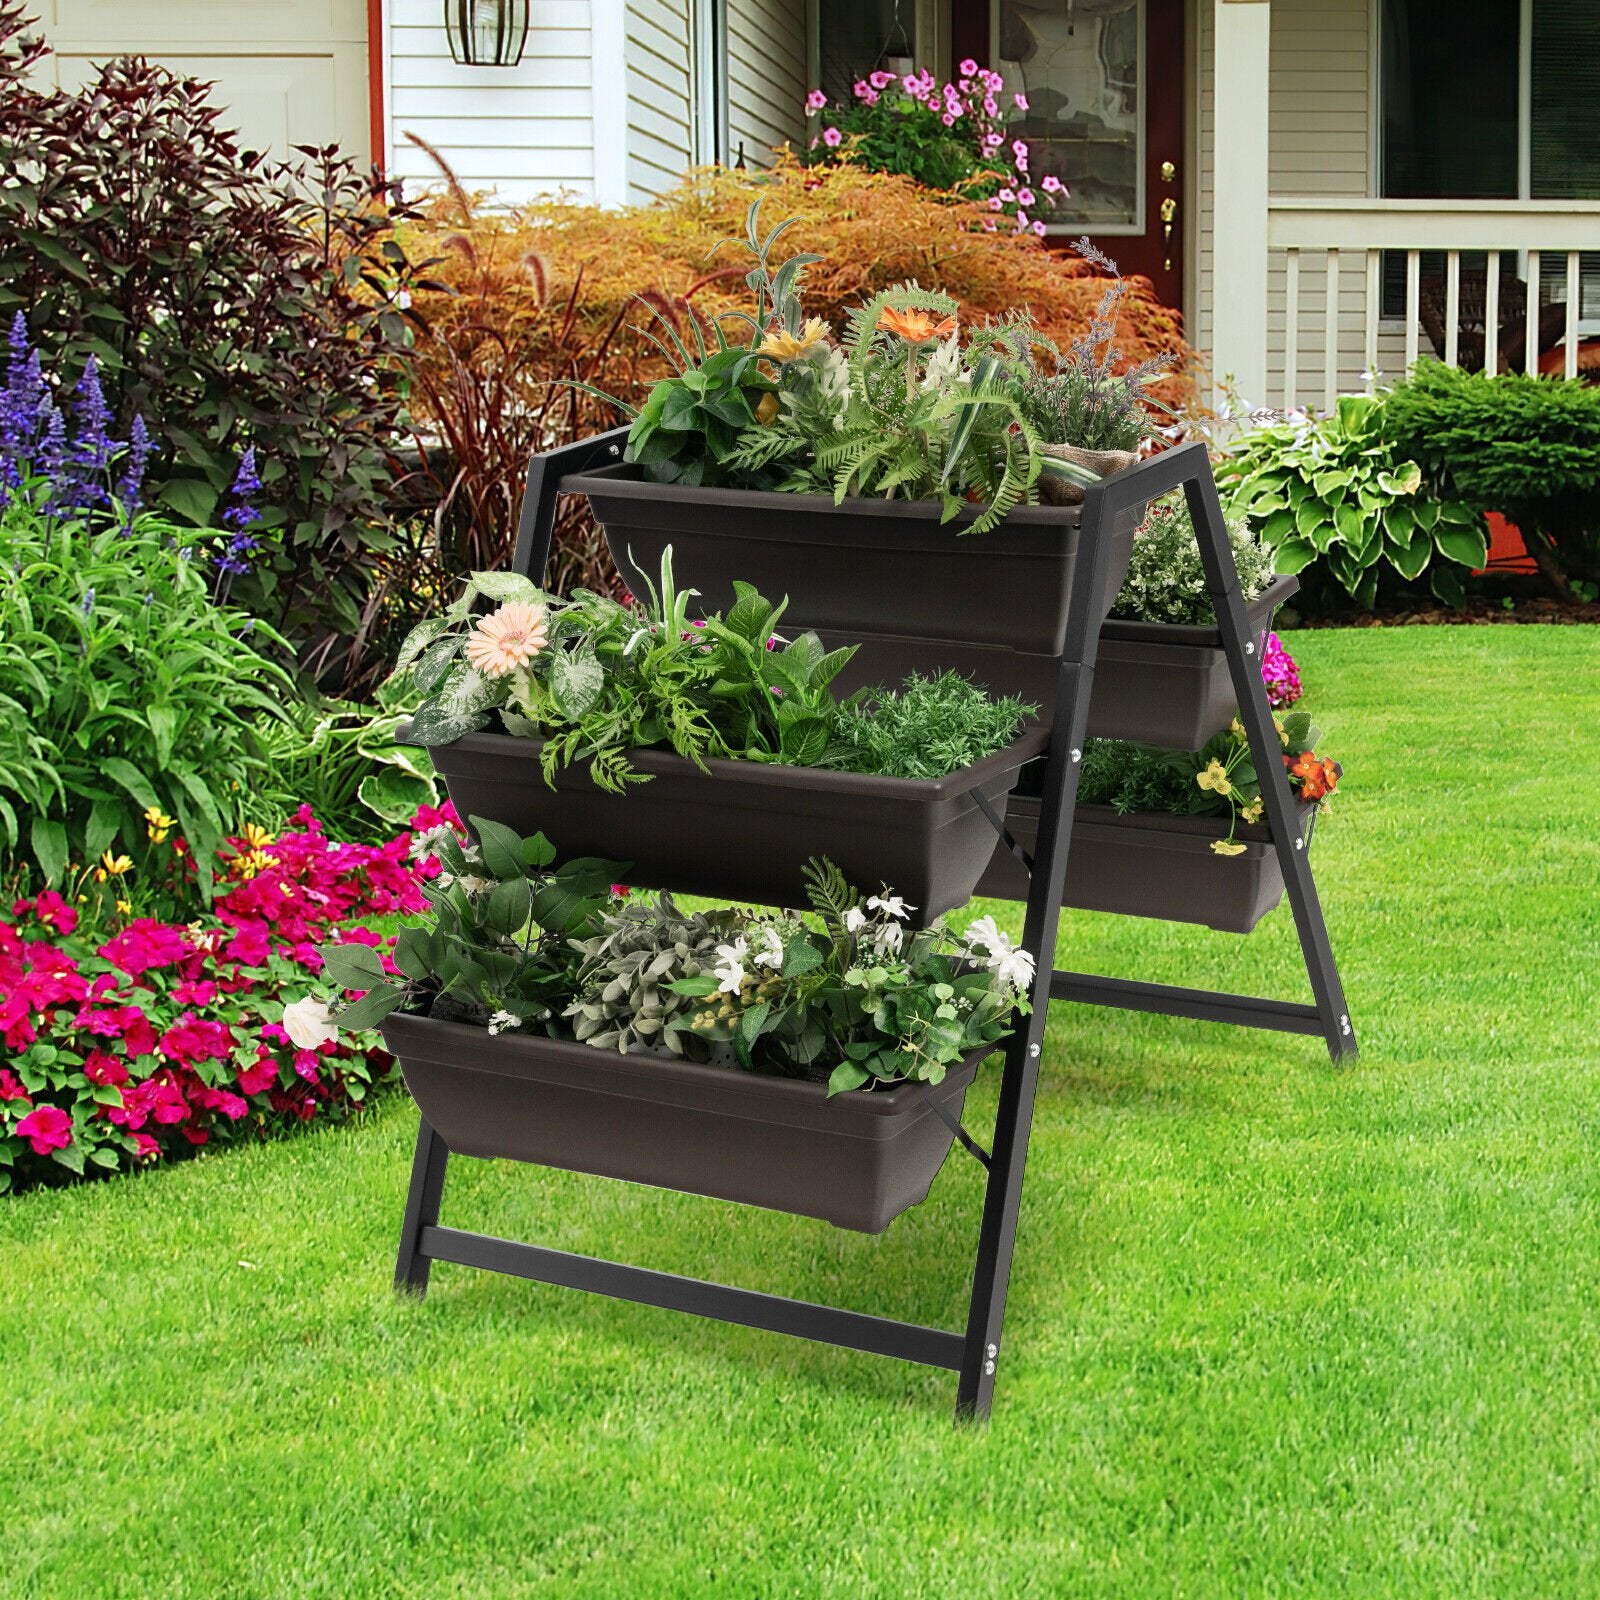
(975, 1353)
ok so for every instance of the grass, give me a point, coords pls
(1275, 1329)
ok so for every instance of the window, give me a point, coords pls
(861, 36)
(1486, 100)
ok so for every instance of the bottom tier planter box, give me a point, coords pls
(857, 1160)
(1152, 865)
(744, 831)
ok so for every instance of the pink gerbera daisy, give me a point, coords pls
(508, 638)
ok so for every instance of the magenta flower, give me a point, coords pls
(1019, 148)
(1021, 100)
(969, 68)
(831, 137)
(46, 1128)
(996, 203)
(880, 80)
(1024, 197)
(1279, 673)
(1007, 195)
(816, 100)
(991, 106)
(948, 120)
(1052, 184)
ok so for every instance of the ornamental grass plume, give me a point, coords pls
(508, 638)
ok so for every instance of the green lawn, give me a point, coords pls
(1275, 1329)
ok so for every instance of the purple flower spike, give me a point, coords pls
(246, 485)
(91, 453)
(131, 483)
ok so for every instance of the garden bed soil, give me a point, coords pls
(742, 831)
(1152, 865)
(856, 1160)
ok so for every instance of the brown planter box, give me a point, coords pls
(1152, 865)
(861, 568)
(857, 1160)
(744, 831)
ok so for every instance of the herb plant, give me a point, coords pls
(1336, 488)
(929, 727)
(1166, 581)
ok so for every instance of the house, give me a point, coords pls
(1325, 187)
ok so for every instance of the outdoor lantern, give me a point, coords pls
(486, 33)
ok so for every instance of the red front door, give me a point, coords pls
(1104, 83)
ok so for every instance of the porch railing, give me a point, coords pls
(1327, 332)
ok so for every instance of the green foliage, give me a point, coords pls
(342, 758)
(1166, 581)
(606, 679)
(228, 300)
(1336, 489)
(929, 727)
(498, 942)
(1526, 447)
(124, 688)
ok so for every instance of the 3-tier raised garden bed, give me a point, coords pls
(856, 1160)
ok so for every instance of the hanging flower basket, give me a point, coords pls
(1153, 865)
(742, 830)
(856, 1160)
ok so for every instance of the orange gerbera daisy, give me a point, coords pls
(916, 327)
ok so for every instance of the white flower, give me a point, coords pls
(474, 885)
(502, 1020)
(944, 364)
(983, 935)
(771, 952)
(855, 919)
(308, 1023)
(887, 939)
(1012, 967)
(430, 842)
(729, 970)
(890, 904)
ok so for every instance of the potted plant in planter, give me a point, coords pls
(1161, 676)
(780, 1059)
(710, 744)
(1176, 835)
(844, 472)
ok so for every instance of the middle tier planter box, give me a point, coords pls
(744, 830)
(1152, 865)
(863, 567)
(856, 1160)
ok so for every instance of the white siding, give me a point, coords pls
(520, 131)
(660, 72)
(1319, 109)
(766, 77)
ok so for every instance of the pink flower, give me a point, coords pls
(190, 993)
(1021, 100)
(1052, 184)
(144, 944)
(191, 1039)
(1019, 149)
(969, 68)
(831, 137)
(1006, 196)
(988, 224)
(1024, 197)
(996, 203)
(948, 120)
(144, 1147)
(46, 1128)
(101, 1068)
(911, 84)
(1022, 220)
(11, 1089)
(1038, 228)
(991, 106)
(816, 100)
(880, 80)
(508, 638)
(262, 1076)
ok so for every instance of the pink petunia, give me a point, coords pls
(104, 1069)
(880, 80)
(996, 203)
(1024, 197)
(1052, 184)
(144, 1147)
(991, 106)
(1021, 101)
(1038, 228)
(816, 100)
(46, 1128)
(1007, 195)
(831, 137)
(948, 120)
(145, 944)
(969, 68)
(191, 1039)
(262, 1076)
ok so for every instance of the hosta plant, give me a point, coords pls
(1334, 488)
(842, 992)
(1219, 781)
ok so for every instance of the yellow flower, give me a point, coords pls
(767, 409)
(112, 866)
(1283, 737)
(781, 345)
(124, 907)
(156, 824)
(1227, 847)
(255, 838)
(1252, 812)
(1214, 778)
(1236, 728)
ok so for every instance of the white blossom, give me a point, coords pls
(944, 364)
(890, 904)
(729, 970)
(502, 1020)
(771, 952)
(887, 939)
(430, 842)
(1012, 967)
(308, 1023)
(855, 919)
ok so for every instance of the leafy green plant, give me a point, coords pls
(1336, 489)
(1528, 447)
(929, 727)
(1220, 780)
(1166, 581)
(127, 694)
(498, 945)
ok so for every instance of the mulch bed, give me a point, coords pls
(1541, 608)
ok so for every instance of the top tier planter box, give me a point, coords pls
(862, 567)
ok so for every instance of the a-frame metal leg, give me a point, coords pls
(411, 1268)
(1008, 1157)
(1244, 664)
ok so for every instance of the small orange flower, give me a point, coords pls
(767, 409)
(916, 327)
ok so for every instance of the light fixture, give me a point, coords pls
(486, 33)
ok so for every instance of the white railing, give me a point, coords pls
(1326, 273)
